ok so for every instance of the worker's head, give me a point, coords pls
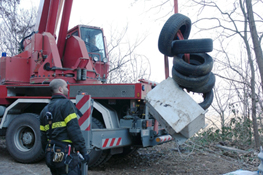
(59, 86)
(92, 40)
(89, 37)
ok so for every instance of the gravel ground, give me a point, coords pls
(158, 160)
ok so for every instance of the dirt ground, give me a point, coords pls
(159, 160)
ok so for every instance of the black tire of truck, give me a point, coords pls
(192, 46)
(200, 64)
(189, 81)
(169, 32)
(23, 139)
(98, 157)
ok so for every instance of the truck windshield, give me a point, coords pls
(93, 39)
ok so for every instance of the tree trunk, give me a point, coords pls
(253, 96)
(254, 113)
(255, 39)
(259, 58)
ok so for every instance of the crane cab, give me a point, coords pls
(94, 44)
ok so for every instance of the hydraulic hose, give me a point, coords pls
(22, 41)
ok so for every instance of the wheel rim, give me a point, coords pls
(24, 138)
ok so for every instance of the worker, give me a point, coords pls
(90, 41)
(61, 136)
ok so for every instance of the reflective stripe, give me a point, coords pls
(42, 128)
(68, 141)
(46, 127)
(59, 124)
(56, 125)
(70, 117)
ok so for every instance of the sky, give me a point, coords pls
(141, 19)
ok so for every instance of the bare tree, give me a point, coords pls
(249, 15)
(230, 23)
(16, 23)
(126, 66)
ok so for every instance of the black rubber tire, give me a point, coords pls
(208, 99)
(107, 157)
(200, 64)
(102, 158)
(168, 33)
(95, 155)
(189, 82)
(192, 46)
(23, 139)
(207, 87)
(98, 157)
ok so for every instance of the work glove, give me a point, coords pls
(86, 158)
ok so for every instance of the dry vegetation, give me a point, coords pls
(165, 159)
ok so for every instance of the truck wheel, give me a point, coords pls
(192, 46)
(23, 139)
(168, 33)
(98, 157)
(200, 64)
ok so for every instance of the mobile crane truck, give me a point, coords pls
(121, 117)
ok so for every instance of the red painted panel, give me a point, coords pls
(138, 90)
(51, 47)
(15, 69)
(37, 39)
(3, 91)
(75, 49)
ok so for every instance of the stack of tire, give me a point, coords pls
(195, 75)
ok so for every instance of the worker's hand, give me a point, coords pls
(86, 158)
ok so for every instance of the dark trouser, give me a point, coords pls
(61, 171)
(73, 167)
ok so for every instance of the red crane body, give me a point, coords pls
(43, 59)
